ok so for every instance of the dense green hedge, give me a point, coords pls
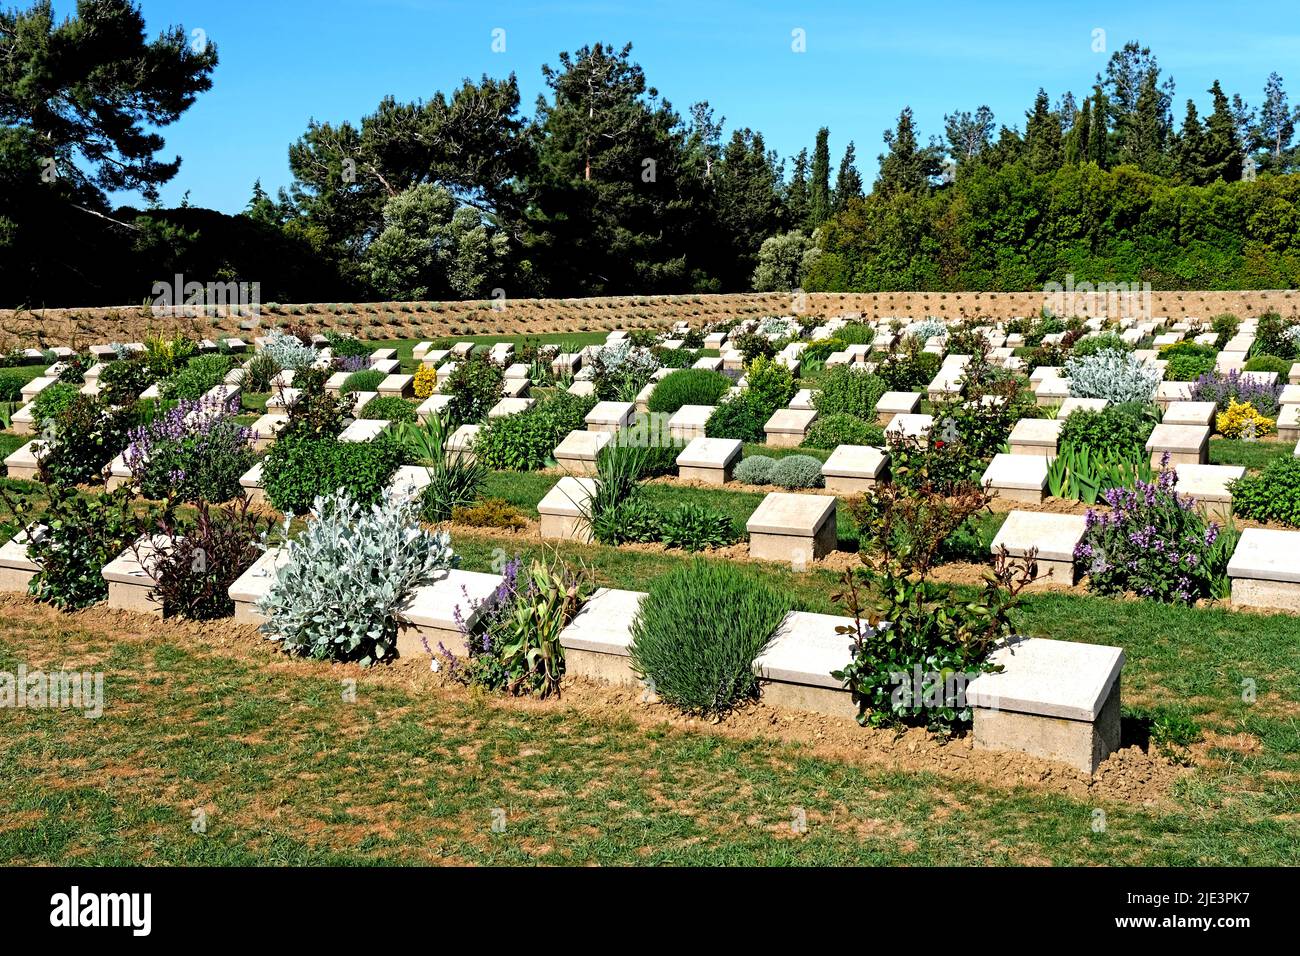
(1007, 229)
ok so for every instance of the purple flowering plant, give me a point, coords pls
(192, 452)
(512, 635)
(1153, 542)
(1222, 389)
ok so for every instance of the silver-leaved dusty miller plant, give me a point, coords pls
(287, 352)
(337, 595)
(1113, 375)
(925, 329)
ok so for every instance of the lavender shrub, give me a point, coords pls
(1223, 389)
(1153, 543)
(195, 451)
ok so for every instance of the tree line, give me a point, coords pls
(605, 187)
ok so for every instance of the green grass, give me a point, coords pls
(1255, 455)
(287, 772)
(10, 443)
(254, 401)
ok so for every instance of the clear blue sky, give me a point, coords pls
(284, 61)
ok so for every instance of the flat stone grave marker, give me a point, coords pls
(255, 583)
(596, 642)
(1264, 569)
(788, 427)
(1054, 536)
(16, 568)
(687, 423)
(1190, 413)
(1208, 484)
(1017, 477)
(578, 451)
(610, 416)
(793, 528)
(1059, 700)
(896, 403)
(797, 663)
(1186, 444)
(709, 460)
(1035, 436)
(397, 386)
(510, 406)
(428, 625)
(565, 510)
(852, 469)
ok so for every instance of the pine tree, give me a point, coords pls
(1099, 134)
(1076, 144)
(848, 181)
(1189, 152)
(906, 167)
(1223, 146)
(796, 194)
(1043, 135)
(1276, 126)
(819, 189)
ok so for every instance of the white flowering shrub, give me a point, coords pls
(346, 576)
(1113, 375)
(287, 352)
(926, 329)
(1292, 335)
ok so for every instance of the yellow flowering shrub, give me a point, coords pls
(1242, 420)
(426, 381)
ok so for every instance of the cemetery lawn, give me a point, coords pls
(287, 772)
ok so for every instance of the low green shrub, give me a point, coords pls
(741, 418)
(843, 429)
(80, 534)
(1092, 344)
(856, 333)
(366, 380)
(121, 382)
(1269, 363)
(388, 408)
(694, 527)
(195, 379)
(343, 345)
(298, 469)
(490, 513)
(474, 386)
(821, 349)
(1112, 433)
(797, 471)
(755, 470)
(12, 381)
(1225, 327)
(698, 633)
(909, 369)
(1271, 495)
(770, 385)
(688, 386)
(52, 402)
(1188, 368)
(849, 391)
(84, 437)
